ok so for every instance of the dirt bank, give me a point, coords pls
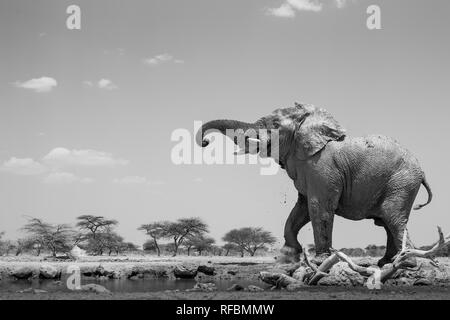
(428, 282)
(205, 268)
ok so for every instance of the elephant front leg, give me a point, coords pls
(297, 219)
(322, 218)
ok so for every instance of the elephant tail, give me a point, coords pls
(430, 194)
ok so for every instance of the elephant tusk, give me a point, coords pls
(205, 142)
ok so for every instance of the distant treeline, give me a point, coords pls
(378, 251)
(97, 235)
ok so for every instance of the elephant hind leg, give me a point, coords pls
(391, 249)
(395, 214)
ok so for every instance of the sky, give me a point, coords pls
(86, 116)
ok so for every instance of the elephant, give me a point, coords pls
(370, 177)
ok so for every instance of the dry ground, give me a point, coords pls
(247, 267)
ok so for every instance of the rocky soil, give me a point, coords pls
(342, 283)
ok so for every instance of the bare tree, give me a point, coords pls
(249, 239)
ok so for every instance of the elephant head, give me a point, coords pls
(302, 131)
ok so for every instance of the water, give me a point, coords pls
(121, 285)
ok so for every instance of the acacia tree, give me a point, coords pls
(94, 224)
(156, 231)
(97, 232)
(113, 242)
(5, 245)
(216, 250)
(227, 247)
(149, 245)
(202, 243)
(8, 246)
(249, 239)
(106, 241)
(169, 248)
(189, 243)
(56, 238)
(184, 228)
(23, 244)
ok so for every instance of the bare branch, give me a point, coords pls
(323, 269)
(309, 264)
(357, 268)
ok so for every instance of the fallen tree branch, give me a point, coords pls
(374, 274)
(364, 271)
(400, 262)
(278, 280)
(323, 269)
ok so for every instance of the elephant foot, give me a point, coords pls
(319, 258)
(384, 261)
(288, 255)
(408, 263)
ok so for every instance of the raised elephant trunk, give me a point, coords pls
(222, 126)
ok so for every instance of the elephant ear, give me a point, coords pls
(315, 131)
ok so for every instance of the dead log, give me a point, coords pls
(400, 261)
(374, 274)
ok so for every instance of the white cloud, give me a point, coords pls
(289, 8)
(340, 3)
(160, 59)
(106, 84)
(62, 157)
(164, 57)
(26, 166)
(284, 11)
(42, 84)
(103, 83)
(136, 180)
(88, 83)
(65, 178)
(305, 5)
